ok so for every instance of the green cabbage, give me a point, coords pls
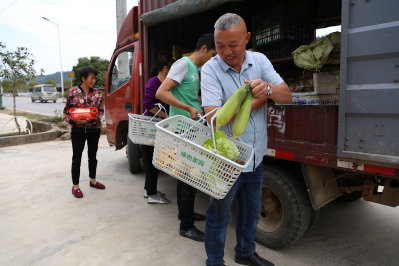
(224, 146)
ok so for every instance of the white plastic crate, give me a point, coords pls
(142, 128)
(178, 152)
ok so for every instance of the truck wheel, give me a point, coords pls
(133, 155)
(313, 220)
(348, 197)
(286, 212)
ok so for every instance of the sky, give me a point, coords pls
(87, 28)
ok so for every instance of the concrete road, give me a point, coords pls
(43, 224)
(25, 104)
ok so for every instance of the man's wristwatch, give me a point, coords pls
(269, 89)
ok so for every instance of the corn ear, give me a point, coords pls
(230, 107)
(241, 121)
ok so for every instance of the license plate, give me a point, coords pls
(49, 94)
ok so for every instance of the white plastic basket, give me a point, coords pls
(178, 152)
(142, 128)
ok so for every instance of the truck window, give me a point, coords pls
(121, 70)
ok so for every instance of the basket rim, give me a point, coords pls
(209, 152)
(137, 118)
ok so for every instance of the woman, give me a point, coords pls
(158, 75)
(85, 95)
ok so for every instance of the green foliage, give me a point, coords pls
(100, 79)
(101, 65)
(7, 84)
(18, 67)
(52, 82)
(67, 84)
(33, 84)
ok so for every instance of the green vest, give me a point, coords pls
(187, 91)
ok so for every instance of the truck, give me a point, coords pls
(335, 141)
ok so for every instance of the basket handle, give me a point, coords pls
(201, 118)
(160, 106)
(216, 110)
(213, 132)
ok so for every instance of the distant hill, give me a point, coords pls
(56, 77)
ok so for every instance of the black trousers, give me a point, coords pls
(78, 145)
(185, 202)
(151, 173)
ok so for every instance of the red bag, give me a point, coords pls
(89, 114)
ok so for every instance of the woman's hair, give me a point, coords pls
(164, 61)
(85, 72)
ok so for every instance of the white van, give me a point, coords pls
(44, 93)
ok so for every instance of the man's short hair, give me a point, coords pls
(85, 72)
(227, 21)
(207, 39)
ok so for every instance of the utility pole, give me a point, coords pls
(123, 59)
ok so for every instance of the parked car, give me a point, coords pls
(44, 93)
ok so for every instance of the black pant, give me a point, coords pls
(78, 144)
(185, 202)
(151, 173)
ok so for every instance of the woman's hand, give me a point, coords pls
(82, 122)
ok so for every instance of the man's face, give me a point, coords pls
(231, 44)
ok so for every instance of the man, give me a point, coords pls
(180, 90)
(220, 78)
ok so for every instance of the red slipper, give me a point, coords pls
(77, 193)
(97, 185)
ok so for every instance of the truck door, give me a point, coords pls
(369, 83)
(120, 100)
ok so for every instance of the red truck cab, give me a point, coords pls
(122, 87)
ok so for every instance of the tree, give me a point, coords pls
(95, 62)
(7, 85)
(17, 66)
(21, 85)
(67, 84)
(33, 84)
(51, 82)
(100, 79)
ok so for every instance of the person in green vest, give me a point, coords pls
(180, 90)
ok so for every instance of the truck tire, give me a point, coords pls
(349, 197)
(133, 156)
(286, 212)
(313, 220)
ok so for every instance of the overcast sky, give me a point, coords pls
(87, 28)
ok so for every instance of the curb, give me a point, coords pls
(26, 139)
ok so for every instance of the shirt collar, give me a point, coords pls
(248, 60)
(80, 88)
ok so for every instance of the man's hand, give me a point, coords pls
(259, 88)
(82, 122)
(281, 93)
(193, 113)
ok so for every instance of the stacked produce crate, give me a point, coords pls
(277, 32)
